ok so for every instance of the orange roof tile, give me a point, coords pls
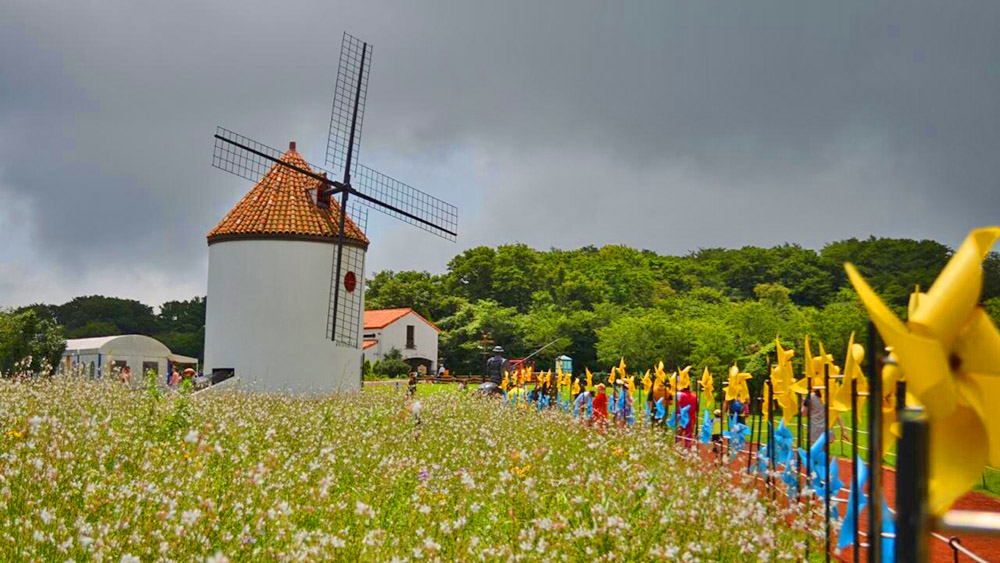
(382, 318)
(280, 205)
(368, 344)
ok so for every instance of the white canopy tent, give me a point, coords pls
(104, 354)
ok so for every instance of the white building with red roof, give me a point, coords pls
(404, 329)
(269, 287)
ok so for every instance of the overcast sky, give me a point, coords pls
(661, 125)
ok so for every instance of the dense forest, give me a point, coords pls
(708, 308)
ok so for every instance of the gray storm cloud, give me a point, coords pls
(669, 126)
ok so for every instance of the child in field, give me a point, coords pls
(411, 388)
(580, 404)
(717, 436)
(600, 408)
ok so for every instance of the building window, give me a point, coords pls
(409, 337)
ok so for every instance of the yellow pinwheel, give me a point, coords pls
(647, 383)
(576, 387)
(813, 369)
(590, 379)
(684, 378)
(611, 376)
(782, 381)
(737, 388)
(841, 402)
(621, 367)
(890, 427)
(505, 383)
(631, 385)
(949, 354)
(661, 375)
(707, 388)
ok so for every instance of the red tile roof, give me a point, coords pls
(382, 318)
(280, 205)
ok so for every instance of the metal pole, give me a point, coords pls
(874, 449)
(911, 489)
(753, 426)
(723, 424)
(677, 396)
(826, 455)
(855, 488)
(798, 444)
(770, 440)
(808, 440)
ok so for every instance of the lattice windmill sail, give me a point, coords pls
(359, 188)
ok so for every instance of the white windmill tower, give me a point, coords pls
(286, 265)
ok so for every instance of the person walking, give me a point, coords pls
(496, 366)
(815, 409)
(600, 406)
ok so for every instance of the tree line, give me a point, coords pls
(707, 308)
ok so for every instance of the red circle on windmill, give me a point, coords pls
(350, 282)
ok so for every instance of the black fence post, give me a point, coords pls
(911, 488)
(809, 405)
(855, 489)
(753, 425)
(874, 448)
(826, 456)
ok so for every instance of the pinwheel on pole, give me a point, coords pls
(949, 352)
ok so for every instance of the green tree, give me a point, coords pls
(29, 342)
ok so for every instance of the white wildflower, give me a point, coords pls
(190, 517)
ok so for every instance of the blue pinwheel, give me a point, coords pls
(819, 484)
(590, 407)
(661, 410)
(685, 416)
(783, 440)
(737, 434)
(846, 536)
(706, 428)
(816, 460)
(791, 480)
(762, 459)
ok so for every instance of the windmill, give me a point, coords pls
(358, 187)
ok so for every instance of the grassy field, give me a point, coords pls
(90, 471)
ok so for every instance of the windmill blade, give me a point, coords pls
(406, 203)
(345, 319)
(244, 157)
(349, 94)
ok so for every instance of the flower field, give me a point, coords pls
(90, 471)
